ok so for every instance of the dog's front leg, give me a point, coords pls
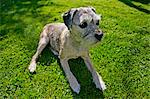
(71, 78)
(96, 77)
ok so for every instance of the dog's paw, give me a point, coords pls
(74, 84)
(101, 85)
(76, 87)
(99, 82)
(32, 67)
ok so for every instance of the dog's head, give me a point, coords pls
(83, 23)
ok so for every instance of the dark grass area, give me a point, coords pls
(129, 3)
(142, 1)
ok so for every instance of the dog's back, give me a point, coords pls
(53, 31)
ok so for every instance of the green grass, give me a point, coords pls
(122, 58)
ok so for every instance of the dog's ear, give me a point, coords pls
(68, 17)
(93, 9)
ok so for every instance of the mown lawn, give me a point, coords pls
(122, 58)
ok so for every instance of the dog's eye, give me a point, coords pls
(97, 23)
(83, 25)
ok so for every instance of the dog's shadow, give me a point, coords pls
(88, 89)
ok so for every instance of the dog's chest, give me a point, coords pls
(72, 51)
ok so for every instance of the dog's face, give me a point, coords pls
(84, 24)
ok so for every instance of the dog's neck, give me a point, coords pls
(76, 39)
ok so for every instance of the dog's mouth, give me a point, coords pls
(85, 35)
(98, 36)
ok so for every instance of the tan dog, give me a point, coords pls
(72, 39)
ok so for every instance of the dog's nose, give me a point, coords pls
(99, 35)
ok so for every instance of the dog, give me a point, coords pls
(72, 39)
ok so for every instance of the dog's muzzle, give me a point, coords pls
(99, 35)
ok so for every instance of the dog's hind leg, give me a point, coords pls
(44, 40)
(96, 77)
